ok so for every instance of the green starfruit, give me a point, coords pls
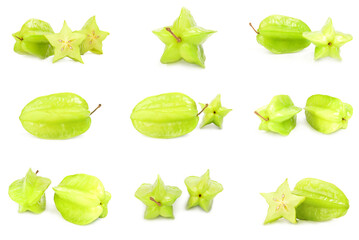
(29, 192)
(282, 203)
(183, 40)
(166, 115)
(279, 116)
(94, 37)
(327, 41)
(323, 200)
(202, 190)
(81, 199)
(327, 114)
(31, 40)
(66, 43)
(214, 112)
(56, 116)
(282, 34)
(158, 198)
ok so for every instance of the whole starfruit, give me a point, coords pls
(166, 115)
(279, 116)
(30, 40)
(327, 114)
(81, 199)
(282, 34)
(323, 200)
(29, 192)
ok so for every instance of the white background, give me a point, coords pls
(245, 160)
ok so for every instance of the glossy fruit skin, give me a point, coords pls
(30, 40)
(281, 115)
(327, 41)
(327, 114)
(164, 195)
(29, 192)
(281, 34)
(56, 116)
(202, 191)
(81, 199)
(190, 40)
(323, 200)
(166, 115)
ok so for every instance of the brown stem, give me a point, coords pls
(95, 109)
(265, 119)
(153, 200)
(37, 171)
(202, 109)
(174, 35)
(250, 24)
(19, 38)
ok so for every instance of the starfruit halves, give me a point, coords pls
(281, 34)
(29, 192)
(30, 40)
(167, 115)
(323, 200)
(279, 116)
(81, 199)
(327, 114)
(56, 116)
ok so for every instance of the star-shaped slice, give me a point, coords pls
(214, 112)
(183, 40)
(327, 41)
(94, 37)
(29, 192)
(282, 203)
(202, 190)
(158, 199)
(66, 43)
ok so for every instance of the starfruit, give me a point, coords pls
(323, 200)
(81, 199)
(327, 114)
(30, 40)
(282, 34)
(167, 115)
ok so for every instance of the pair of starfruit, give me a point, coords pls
(324, 113)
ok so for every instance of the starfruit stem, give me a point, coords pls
(19, 38)
(95, 109)
(202, 109)
(153, 200)
(37, 171)
(174, 35)
(265, 119)
(250, 24)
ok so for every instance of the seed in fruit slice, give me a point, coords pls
(327, 41)
(29, 192)
(202, 190)
(31, 39)
(183, 40)
(327, 114)
(81, 199)
(279, 116)
(214, 112)
(282, 203)
(66, 43)
(94, 37)
(158, 198)
(323, 200)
